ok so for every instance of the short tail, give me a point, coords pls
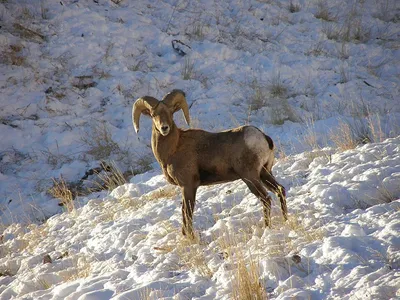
(270, 142)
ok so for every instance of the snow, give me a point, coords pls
(74, 77)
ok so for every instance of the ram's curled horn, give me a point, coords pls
(176, 100)
(142, 105)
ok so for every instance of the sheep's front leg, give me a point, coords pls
(189, 198)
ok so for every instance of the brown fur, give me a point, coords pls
(191, 158)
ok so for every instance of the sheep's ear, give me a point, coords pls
(142, 105)
(176, 100)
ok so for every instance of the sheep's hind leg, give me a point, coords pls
(256, 187)
(189, 198)
(271, 184)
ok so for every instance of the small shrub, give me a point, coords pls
(317, 49)
(259, 94)
(196, 30)
(343, 51)
(28, 33)
(361, 131)
(277, 88)
(323, 12)
(26, 13)
(54, 158)
(387, 10)
(310, 139)
(271, 96)
(352, 30)
(187, 70)
(332, 31)
(191, 255)
(110, 178)
(35, 235)
(294, 7)
(351, 134)
(41, 283)
(343, 137)
(246, 283)
(83, 82)
(166, 192)
(107, 55)
(149, 294)
(142, 164)
(361, 32)
(44, 11)
(281, 151)
(13, 55)
(375, 69)
(310, 136)
(375, 128)
(344, 74)
(308, 234)
(61, 191)
(81, 269)
(385, 196)
(100, 142)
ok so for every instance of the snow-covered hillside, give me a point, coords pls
(342, 240)
(320, 77)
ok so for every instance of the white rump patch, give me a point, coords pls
(256, 141)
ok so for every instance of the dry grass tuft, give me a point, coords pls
(294, 7)
(41, 283)
(190, 252)
(149, 294)
(387, 10)
(281, 151)
(386, 196)
(109, 178)
(187, 70)
(81, 269)
(309, 234)
(191, 255)
(36, 234)
(99, 141)
(196, 30)
(61, 191)
(29, 34)
(343, 137)
(375, 128)
(13, 55)
(323, 12)
(276, 87)
(259, 94)
(246, 284)
(44, 11)
(137, 202)
(353, 29)
(166, 192)
(142, 163)
(350, 135)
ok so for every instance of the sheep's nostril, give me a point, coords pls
(164, 128)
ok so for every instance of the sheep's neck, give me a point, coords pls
(164, 146)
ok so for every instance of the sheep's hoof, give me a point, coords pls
(187, 233)
(267, 224)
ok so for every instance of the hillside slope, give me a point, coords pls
(320, 77)
(341, 241)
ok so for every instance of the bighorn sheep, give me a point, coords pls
(193, 157)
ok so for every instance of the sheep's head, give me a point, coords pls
(161, 112)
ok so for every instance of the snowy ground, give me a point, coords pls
(305, 72)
